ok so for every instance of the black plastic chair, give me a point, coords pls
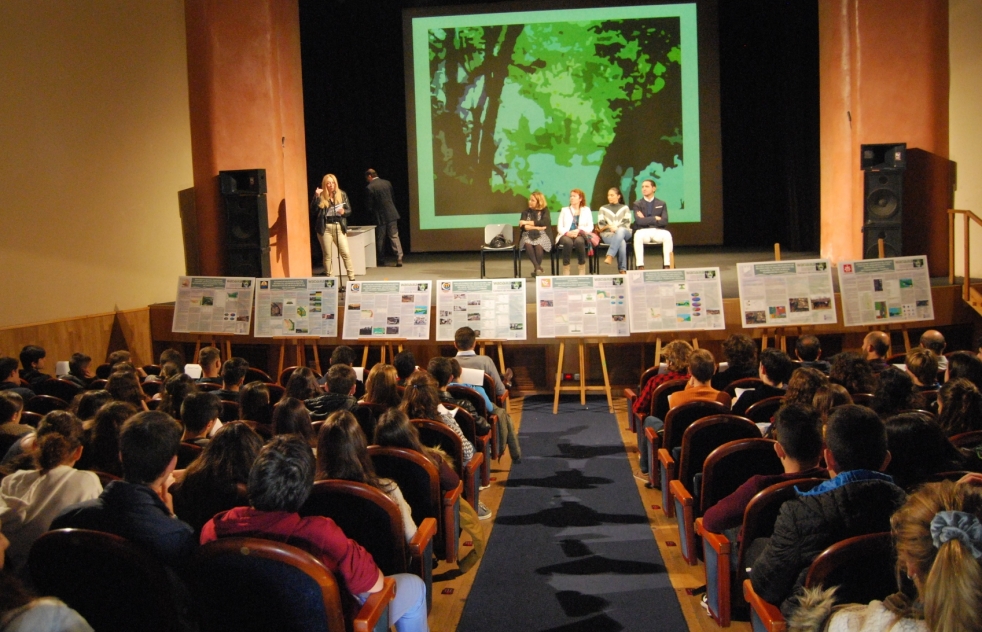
(491, 231)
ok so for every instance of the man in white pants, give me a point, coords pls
(650, 220)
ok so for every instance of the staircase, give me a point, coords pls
(970, 294)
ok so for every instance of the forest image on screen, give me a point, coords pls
(554, 100)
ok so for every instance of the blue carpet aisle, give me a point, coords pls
(571, 548)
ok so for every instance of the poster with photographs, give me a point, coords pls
(297, 307)
(878, 291)
(494, 308)
(213, 305)
(689, 299)
(387, 309)
(786, 293)
(593, 305)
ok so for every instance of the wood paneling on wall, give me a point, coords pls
(97, 336)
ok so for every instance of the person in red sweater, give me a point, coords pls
(799, 446)
(280, 481)
(676, 354)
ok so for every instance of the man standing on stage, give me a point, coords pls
(385, 215)
(650, 220)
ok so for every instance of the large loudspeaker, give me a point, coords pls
(883, 197)
(246, 222)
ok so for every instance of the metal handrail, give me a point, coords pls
(968, 215)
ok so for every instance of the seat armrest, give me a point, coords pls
(653, 438)
(631, 397)
(421, 556)
(375, 611)
(682, 501)
(768, 614)
(423, 538)
(680, 493)
(451, 522)
(666, 461)
(717, 541)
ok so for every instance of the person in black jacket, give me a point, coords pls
(384, 214)
(858, 499)
(775, 369)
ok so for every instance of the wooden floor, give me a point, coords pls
(450, 588)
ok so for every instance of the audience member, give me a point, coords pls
(938, 539)
(31, 499)
(803, 385)
(808, 350)
(442, 371)
(339, 396)
(918, 450)
(210, 359)
(280, 482)
(857, 500)
(922, 365)
(422, 401)
(175, 390)
(21, 611)
(894, 393)
(798, 430)
(343, 354)
(254, 404)
(123, 356)
(86, 404)
(168, 356)
(303, 384)
(233, 376)
(876, 348)
(216, 480)
(10, 380)
(101, 438)
(78, 369)
(702, 367)
(464, 340)
(854, 372)
(676, 355)
(199, 414)
(740, 353)
(342, 453)
(458, 372)
(405, 364)
(967, 365)
(934, 340)
(959, 407)
(139, 508)
(829, 396)
(11, 408)
(775, 370)
(290, 416)
(380, 386)
(32, 361)
(124, 386)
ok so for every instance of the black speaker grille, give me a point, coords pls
(882, 204)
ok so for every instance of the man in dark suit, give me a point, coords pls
(385, 215)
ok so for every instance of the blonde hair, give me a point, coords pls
(538, 201)
(948, 578)
(676, 354)
(325, 197)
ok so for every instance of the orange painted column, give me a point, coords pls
(246, 101)
(883, 69)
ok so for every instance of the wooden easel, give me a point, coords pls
(224, 345)
(582, 389)
(301, 349)
(780, 333)
(384, 344)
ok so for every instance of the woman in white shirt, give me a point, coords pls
(614, 224)
(31, 499)
(575, 226)
(342, 453)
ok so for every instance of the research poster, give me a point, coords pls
(786, 293)
(689, 299)
(213, 305)
(594, 305)
(494, 308)
(878, 291)
(387, 309)
(297, 307)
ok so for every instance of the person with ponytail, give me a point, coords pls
(959, 407)
(31, 499)
(394, 430)
(342, 453)
(937, 534)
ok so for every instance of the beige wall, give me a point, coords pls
(95, 137)
(965, 108)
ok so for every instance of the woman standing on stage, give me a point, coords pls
(614, 222)
(575, 226)
(329, 209)
(534, 225)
